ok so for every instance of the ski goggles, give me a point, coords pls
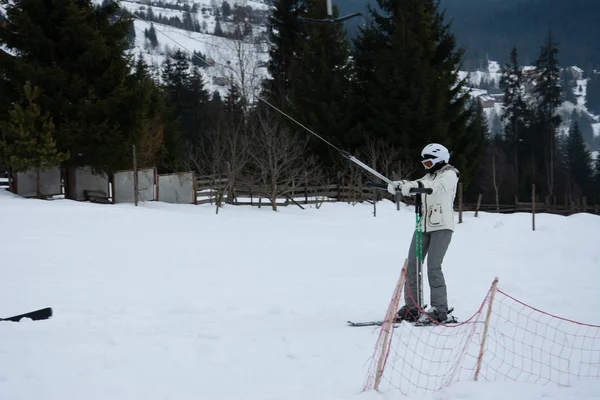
(427, 163)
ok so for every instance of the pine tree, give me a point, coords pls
(218, 29)
(516, 116)
(226, 9)
(593, 93)
(478, 130)
(76, 53)
(547, 96)
(187, 97)
(285, 32)
(151, 36)
(579, 162)
(29, 142)
(320, 95)
(406, 85)
(309, 73)
(159, 145)
(233, 105)
(596, 182)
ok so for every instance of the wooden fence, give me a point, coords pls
(209, 191)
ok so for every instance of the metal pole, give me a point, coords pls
(135, 178)
(419, 249)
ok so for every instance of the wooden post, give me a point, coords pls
(374, 202)
(584, 204)
(485, 328)
(533, 206)
(478, 204)
(338, 186)
(305, 187)
(460, 202)
(135, 178)
(360, 189)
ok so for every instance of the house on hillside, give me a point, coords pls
(528, 71)
(221, 81)
(576, 72)
(486, 101)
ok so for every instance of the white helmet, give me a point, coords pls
(434, 153)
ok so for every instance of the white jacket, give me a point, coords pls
(438, 207)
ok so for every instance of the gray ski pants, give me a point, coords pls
(435, 245)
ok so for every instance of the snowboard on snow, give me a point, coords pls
(449, 320)
(37, 315)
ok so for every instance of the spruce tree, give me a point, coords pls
(406, 85)
(29, 142)
(319, 97)
(309, 72)
(593, 93)
(579, 161)
(187, 97)
(233, 105)
(75, 52)
(159, 144)
(478, 132)
(516, 117)
(151, 36)
(596, 181)
(547, 95)
(285, 32)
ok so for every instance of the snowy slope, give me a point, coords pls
(242, 60)
(174, 302)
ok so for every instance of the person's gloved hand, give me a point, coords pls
(394, 187)
(406, 186)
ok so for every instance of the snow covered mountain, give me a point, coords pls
(484, 87)
(227, 37)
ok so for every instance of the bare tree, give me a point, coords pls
(239, 63)
(223, 157)
(280, 157)
(387, 159)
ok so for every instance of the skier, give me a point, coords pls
(438, 227)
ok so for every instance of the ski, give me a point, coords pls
(368, 323)
(37, 315)
(450, 320)
(397, 324)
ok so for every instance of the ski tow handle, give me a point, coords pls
(383, 186)
(361, 164)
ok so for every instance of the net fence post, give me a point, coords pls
(388, 325)
(485, 328)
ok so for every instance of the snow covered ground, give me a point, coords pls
(175, 302)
